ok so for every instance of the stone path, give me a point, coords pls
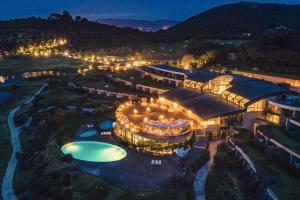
(199, 182)
(7, 183)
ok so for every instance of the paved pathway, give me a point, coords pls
(199, 182)
(7, 184)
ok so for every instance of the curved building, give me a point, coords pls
(155, 126)
(208, 104)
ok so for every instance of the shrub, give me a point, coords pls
(199, 161)
(229, 189)
(222, 161)
(67, 158)
(222, 147)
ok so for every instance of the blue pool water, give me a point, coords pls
(4, 96)
(106, 125)
(88, 133)
(94, 151)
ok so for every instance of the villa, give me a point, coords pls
(204, 103)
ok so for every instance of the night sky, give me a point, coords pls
(127, 9)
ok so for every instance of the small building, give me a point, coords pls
(164, 73)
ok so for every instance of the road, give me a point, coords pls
(199, 182)
(7, 183)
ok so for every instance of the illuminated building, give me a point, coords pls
(164, 73)
(212, 104)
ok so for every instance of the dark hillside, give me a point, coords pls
(232, 20)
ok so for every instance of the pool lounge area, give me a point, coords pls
(107, 157)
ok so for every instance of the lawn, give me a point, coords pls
(280, 136)
(284, 183)
(18, 96)
(14, 64)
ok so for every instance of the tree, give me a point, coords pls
(206, 57)
(66, 13)
(78, 18)
(186, 61)
(84, 20)
(59, 115)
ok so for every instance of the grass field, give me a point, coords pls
(14, 64)
(19, 96)
(284, 183)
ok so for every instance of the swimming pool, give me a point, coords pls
(94, 151)
(106, 125)
(88, 133)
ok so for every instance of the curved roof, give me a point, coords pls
(240, 79)
(258, 89)
(204, 105)
(209, 106)
(169, 68)
(202, 76)
(181, 94)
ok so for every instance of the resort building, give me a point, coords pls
(284, 111)
(165, 74)
(208, 104)
(154, 125)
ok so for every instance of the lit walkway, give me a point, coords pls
(7, 184)
(199, 182)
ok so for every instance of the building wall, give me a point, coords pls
(250, 118)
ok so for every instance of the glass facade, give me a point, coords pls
(231, 120)
(220, 84)
(234, 98)
(157, 146)
(257, 106)
(192, 84)
(273, 118)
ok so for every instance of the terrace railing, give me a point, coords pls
(292, 154)
(248, 163)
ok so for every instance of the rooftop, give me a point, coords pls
(292, 101)
(258, 89)
(204, 105)
(157, 114)
(208, 106)
(169, 68)
(203, 76)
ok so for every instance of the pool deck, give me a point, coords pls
(134, 172)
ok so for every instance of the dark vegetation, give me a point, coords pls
(272, 164)
(81, 33)
(43, 173)
(272, 51)
(228, 180)
(259, 36)
(232, 20)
